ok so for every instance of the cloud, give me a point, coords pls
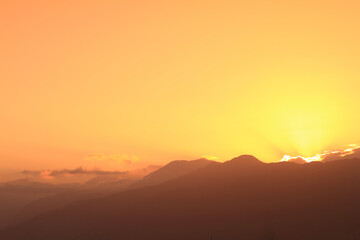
(66, 172)
(298, 160)
(113, 159)
(353, 151)
(210, 157)
(141, 172)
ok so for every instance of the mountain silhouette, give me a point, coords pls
(239, 199)
(244, 161)
(15, 195)
(96, 187)
(171, 170)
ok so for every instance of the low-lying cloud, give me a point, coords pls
(66, 172)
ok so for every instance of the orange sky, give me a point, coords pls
(153, 81)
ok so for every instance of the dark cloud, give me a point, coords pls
(298, 160)
(346, 154)
(327, 156)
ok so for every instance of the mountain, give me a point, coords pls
(96, 187)
(15, 195)
(244, 161)
(171, 170)
(49, 203)
(92, 189)
(239, 199)
(57, 197)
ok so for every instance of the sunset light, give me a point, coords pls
(145, 81)
(173, 119)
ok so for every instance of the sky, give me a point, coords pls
(118, 85)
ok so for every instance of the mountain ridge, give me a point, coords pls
(273, 201)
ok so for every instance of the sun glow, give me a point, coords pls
(326, 154)
(126, 85)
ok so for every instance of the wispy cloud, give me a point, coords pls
(113, 159)
(210, 157)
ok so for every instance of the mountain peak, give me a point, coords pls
(247, 160)
(172, 170)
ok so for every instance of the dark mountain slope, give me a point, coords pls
(171, 170)
(240, 199)
(97, 187)
(14, 195)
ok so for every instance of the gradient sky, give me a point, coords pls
(106, 83)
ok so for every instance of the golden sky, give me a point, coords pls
(146, 82)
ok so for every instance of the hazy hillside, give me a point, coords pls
(240, 199)
(171, 170)
(27, 203)
(15, 195)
